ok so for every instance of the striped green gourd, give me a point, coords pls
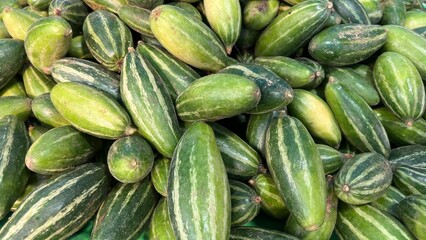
(12, 58)
(229, 10)
(137, 18)
(247, 39)
(258, 14)
(356, 82)
(351, 11)
(48, 40)
(332, 159)
(346, 44)
(326, 229)
(176, 75)
(199, 188)
(389, 201)
(412, 212)
(160, 226)
(107, 38)
(87, 72)
(17, 21)
(60, 149)
(257, 233)
(43, 109)
(15, 105)
(296, 167)
(36, 83)
(393, 12)
(275, 92)
(318, 70)
(415, 19)
(409, 169)
(201, 101)
(74, 11)
(363, 179)
(130, 159)
(64, 204)
(244, 202)
(317, 117)
(91, 111)
(125, 211)
(15, 87)
(256, 130)
(14, 143)
(33, 181)
(271, 201)
(188, 38)
(366, 71)
(79, 49)
(356, 119)
(400, 86)
(160, 175)
(148, 102)
(368, 222)
(291, 29)
(109, 5)
(408, 43)
(35, 132)
(240, 159)
(296, 73)
(401, 133)
(374, 10)
(40, 5)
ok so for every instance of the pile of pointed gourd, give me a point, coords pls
(212, 119)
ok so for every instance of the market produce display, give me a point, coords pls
(212, 119)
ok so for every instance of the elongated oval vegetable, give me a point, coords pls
(79, 49)
(275, 92)
(91, 111)
(160, 226)
(400, 86)
(368, 222)
(271, 201)
(351, 11)
(201, 101)
(136, 18)
(291, 29)
(12, 58)
(363, 179)
(412, 212)
(389, 201)
(192, 182)
(46, 113)
(148, 102)
(130, 159)
(160, 175)
(356, 119)
(60, 149)
(14, 144)
(346, 44)
(332, 159)
(87, 72)
(48, 39)
(14, 87)
(317, 117)
(374, 10)
(64, 204)
(256, 130)
(408, 43)
(15, 105)
(36, 83)
(107, 38)
(245, 203)
(125, 211)
(401, 133)
(187, 38)
(224, 17)
(393, 12)
(258, 14)
(295, 165)
(17, 21)
(74, 11)
(176, 75)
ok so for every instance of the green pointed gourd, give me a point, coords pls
(108, 38)
(188, 38)
(48, 39)
(36, 83)
(258, 14)
(148, 102)
(224, 17)
(46, 113)
(18, 21)
(19, 106)
(12, 58)
(74, 11)
(136, 18)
